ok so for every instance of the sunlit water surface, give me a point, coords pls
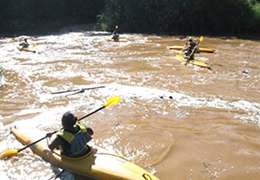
(176, 121)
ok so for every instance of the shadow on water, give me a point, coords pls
(91, 29)
(88, 29)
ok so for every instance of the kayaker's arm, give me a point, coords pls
(58, 141)
(186, 49)
(190, 47)
(194, 50)
(197, 50)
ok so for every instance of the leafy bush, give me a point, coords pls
(181, 16)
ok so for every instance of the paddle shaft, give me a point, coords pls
(194, 49)
(80, 91)
(91, 113)
(83, 89)
(35, 142)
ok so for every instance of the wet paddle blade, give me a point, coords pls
(112, 100)
(9, 153)
(201, 38)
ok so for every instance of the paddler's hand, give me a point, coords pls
(90, 131)
(49, 135)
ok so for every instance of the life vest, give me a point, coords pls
(77, 142)
(192, 44)
(115, 37)
(24, 45)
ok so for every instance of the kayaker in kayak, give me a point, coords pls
(73, 139)
(115, 35)
(24, 44)
(190, 50)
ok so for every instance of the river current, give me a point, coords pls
(176, 121)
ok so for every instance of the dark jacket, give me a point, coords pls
(73, 142)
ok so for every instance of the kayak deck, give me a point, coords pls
(201, 49)
(120, 40)
(24, 49)
(194, 62)
(98, 163)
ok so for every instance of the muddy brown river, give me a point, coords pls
(178, 122)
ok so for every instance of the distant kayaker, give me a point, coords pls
(115, 35)
(190, 50)
(73, 139)
(24, 44)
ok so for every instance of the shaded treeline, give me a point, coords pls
(21, 16)
(144, 16)
(183, 16)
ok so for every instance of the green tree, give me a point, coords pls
(181, 16)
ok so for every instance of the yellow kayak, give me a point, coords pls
(201, 49)
(98, 164)
(194, 62)
(24, 49)
(120, 40)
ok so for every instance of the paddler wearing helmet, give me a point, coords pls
(73, 138)
(190, 51)
(115, 35)
(24, 44)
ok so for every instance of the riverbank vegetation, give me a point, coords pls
(133, 16)
(41, 16)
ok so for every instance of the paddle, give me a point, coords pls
(115, 36)
(110, 102)
(193, 51)
(116, 27)
(83, 89)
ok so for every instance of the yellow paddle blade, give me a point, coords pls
(201, 38)
(116, 26)
(34, 45)
(112, 100)
(9, 153)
